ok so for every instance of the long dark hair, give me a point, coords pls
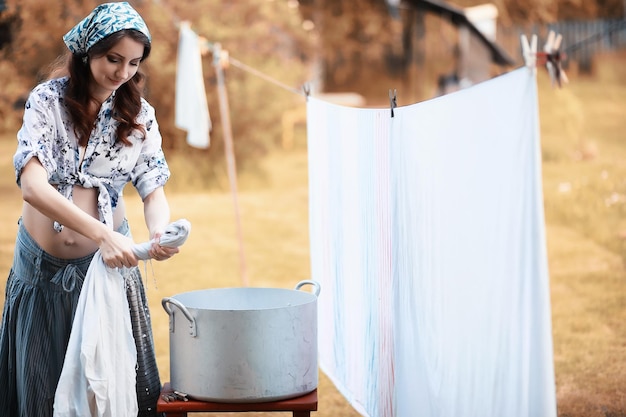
(127, 102)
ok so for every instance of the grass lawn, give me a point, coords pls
(582, 128)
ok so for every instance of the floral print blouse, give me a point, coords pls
(47, 134)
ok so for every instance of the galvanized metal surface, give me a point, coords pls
(244, 344)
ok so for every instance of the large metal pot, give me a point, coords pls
(244, 344)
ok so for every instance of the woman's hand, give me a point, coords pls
(161, 253)
(117, 251)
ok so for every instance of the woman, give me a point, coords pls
(84, 137)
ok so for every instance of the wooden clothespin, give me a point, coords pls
(306, 88)
(529, 52)
(553, 58)
(220, 56)
(393, 102)
(205, 46)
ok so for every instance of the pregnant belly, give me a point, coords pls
(67, 244)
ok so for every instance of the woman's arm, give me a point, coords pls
(156, 212)
(116, 248)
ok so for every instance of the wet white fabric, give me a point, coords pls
(427, 233)
(192, 110)
(175, 235)
(98, 376)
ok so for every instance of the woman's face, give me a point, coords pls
(114, 68)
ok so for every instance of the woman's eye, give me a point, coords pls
(112, 60)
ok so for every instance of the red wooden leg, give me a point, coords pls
(301, 414)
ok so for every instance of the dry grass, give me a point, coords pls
(582, 133)
(585, 199)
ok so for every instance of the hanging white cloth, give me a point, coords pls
(192, 110)
(427, 233)
(98, 375)
(350, 238)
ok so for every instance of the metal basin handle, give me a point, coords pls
(315, 284)
(165, 302)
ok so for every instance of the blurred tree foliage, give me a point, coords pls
(29, 42)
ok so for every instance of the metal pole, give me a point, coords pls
(230, 153)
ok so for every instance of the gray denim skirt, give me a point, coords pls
(40, 301)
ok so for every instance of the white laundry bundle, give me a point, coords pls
(98, 376)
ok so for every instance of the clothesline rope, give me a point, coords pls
(259, 74)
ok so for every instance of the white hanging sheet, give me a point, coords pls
(427, 234)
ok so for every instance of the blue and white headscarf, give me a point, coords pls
(103, 21)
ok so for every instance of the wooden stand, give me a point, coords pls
(300, 406)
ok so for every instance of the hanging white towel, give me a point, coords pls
(427, 233)
(98, 375)
(192, 111)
